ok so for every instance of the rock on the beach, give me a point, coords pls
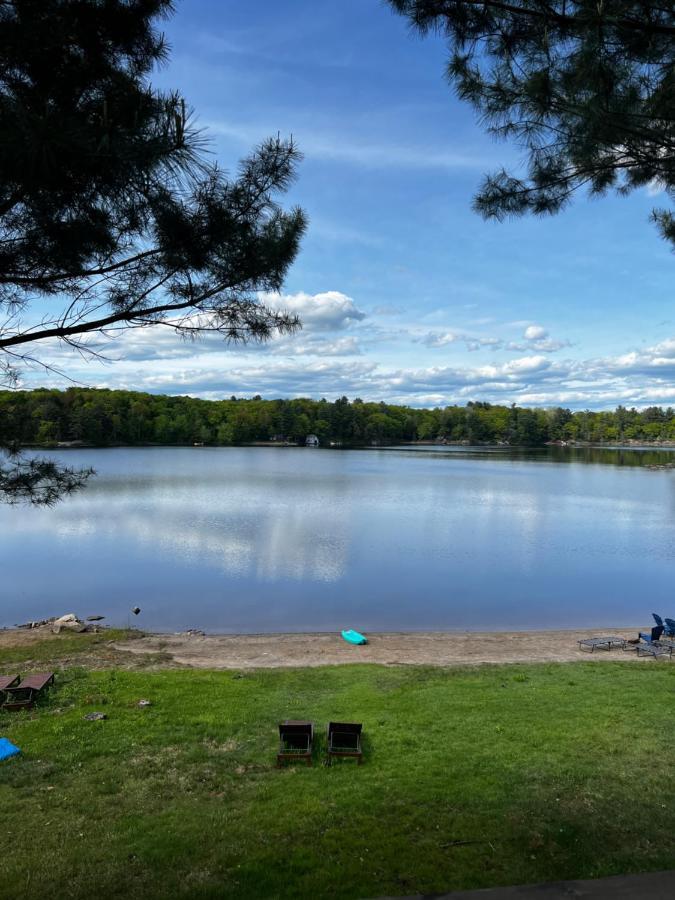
(69, 622)
(35, 624)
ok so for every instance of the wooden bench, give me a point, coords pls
(6, 681)
(24, 694)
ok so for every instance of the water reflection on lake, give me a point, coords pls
(259, 539)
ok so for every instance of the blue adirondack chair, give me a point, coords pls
(654, 636)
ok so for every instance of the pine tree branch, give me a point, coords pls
(127, 315)
(130, 314)
(448, 7)
(37, 281)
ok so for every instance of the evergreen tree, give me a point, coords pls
(587, 87)
(110, 215)
(103, 417)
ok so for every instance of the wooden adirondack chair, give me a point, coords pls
(295, 741)
(344, 739)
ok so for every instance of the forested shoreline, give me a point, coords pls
(108, 417)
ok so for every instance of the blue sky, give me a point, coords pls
(406, 294)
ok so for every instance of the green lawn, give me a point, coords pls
(67, 648)
(472, 777)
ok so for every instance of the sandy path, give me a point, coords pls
(253, 651)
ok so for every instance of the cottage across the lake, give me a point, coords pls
(311, 441)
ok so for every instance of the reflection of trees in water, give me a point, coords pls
(608, 456)
(614, 456)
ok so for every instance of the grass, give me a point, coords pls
(472, 778)
(67, 649)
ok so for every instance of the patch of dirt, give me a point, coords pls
(225, 747)
(24, 637)
(98, 654)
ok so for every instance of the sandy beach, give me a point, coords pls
(255, 651)
(436, 648)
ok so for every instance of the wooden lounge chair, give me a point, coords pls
(344, 739)
(25, 693)
(295, 741)
(6, 681)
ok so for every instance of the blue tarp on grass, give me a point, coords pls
(7, 749)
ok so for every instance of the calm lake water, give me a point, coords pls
(266, 539)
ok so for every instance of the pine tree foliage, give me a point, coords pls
(112, 216)
(41, 482)
(587, 87)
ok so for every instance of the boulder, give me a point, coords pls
(69, 622)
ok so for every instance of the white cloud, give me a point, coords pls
(343, 346)
(439, 339)
(490, 343)
(546, 345)
(326, 311)
(273, 378)
(338, 353)
(528, 380)
(536, 337)
(527, 364)
(535, 333)
(664, 349)
(320, 314)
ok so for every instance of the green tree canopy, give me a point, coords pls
(587, 87)
(101, 417)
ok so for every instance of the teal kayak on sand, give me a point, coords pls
(353, 637)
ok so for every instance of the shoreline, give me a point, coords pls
(194, 649)
(265, 651)
(391, 648)
(630, 444)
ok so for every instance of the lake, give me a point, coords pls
(292, 539)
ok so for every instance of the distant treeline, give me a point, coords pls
(125, 417)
